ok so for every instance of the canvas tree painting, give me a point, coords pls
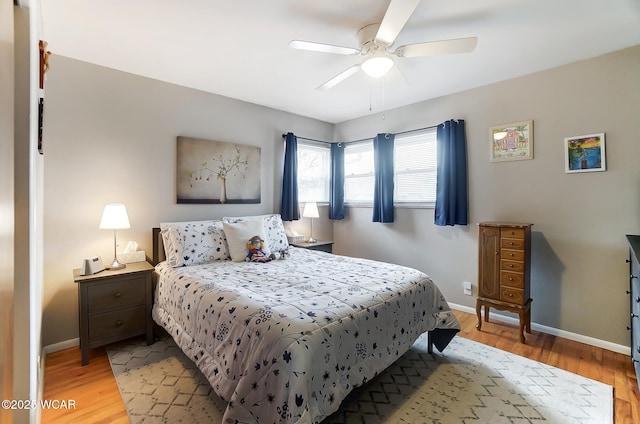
(217, 172)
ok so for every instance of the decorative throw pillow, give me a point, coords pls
(195, 242)
(274, 229)
(239, 233)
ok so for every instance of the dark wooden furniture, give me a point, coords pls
(324, 246)
(634, 293)
(114, 305)
(504, 262)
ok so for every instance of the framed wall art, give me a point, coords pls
(512, 141)
(585, 153)
(216, 172)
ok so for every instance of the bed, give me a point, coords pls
(285, 341)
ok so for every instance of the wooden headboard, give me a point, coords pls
(158, 247)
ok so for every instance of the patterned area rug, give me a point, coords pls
(468, 383)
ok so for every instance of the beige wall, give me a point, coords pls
(111, 137)
(579, 274)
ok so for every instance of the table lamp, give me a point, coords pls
(115, 218)
(311, 211)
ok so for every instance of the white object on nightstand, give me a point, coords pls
(91, 266)
(114, 217)
(127, 258)
(311, 211)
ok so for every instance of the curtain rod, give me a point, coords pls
(363, 139)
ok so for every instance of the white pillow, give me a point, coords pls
(276, 239)
(239, 233)
(194, 242)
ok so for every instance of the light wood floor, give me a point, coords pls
(97, 399)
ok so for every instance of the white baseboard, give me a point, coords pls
(553, 331)
(61, 345)
(625, 350)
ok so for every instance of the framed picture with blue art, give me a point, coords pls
(585, 153)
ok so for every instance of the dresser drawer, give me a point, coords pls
(512, 279)
(517, 233)
(509, 243)
(635, 304)
(113, 295)
(117, 323)
(514, 255)
(635, 338)
(511, 266)
(635, 294)
(511, 295)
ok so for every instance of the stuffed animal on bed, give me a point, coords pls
(256, 251)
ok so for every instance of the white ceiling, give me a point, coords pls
(239, 48)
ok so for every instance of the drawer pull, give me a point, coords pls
(510, 294)
(631, 277)
(510, 265)
(119, 323)
(637, 299)
(510, 278)
(118, 294)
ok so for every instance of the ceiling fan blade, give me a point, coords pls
(320, 47)
(434, 48)
(395, 18)
(339, 78)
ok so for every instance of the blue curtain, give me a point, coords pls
(451, 184)
(336, 195)
(383, 181)
(289, 208)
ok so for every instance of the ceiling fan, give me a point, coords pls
(376, 41)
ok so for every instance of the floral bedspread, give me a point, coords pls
(285, 341)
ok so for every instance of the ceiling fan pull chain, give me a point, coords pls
(384, 98)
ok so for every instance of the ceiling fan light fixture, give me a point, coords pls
(377, 65)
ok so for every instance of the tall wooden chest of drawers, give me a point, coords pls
(504, 264)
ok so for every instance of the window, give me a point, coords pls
(415, 159)
(358, 173)
(313, 172)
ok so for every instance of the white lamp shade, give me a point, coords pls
(115, 217)
(310, 210)
(377, 65)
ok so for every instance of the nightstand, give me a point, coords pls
(324, 246)
(114, 305)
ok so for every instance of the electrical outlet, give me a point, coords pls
(467, 288)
